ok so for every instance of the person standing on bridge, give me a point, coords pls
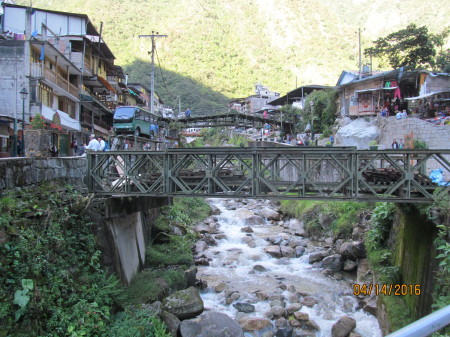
(394, 144)
(188, 113)
(93, 145)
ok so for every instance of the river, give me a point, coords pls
(231, 268)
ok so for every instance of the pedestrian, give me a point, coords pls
(93, 145)
(188, 113)
(331, 140)
(394, 144)
(102, 143)
(82, 150)
(401, 144)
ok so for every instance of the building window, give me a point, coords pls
(45, 94)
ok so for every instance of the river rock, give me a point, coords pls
(249, 240)
(299, 251)
(353, 250)
(247, 229)
(297, 227)
(309, 301)
(278, 311)
(310, 325)
(200, 246)
(154, 308)
(350, 265)
(370, 305)
(364, 274)
(172, 322)
(354, 334)
(269, 214)
(279, 303)
(213, 228)
(254, 323)
(303, 333)
(215, 210)
(254, 220)
(315, 257)
(274, 251)
(191, 276)
(220, 287)
(211, 324)
(258, 267)
(296, 241)
(201, 261)
(209, 239)
(357, 233)
(287, 251)
(293, 308)
(220, 237)
(284, 332)
(343, 326)
(201, 228)
(278, 239)
(261, 295)
(244, 307)
(184, 304)
(333, 262)
(301, 316)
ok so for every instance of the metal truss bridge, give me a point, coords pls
(229, 119)
(318, 173)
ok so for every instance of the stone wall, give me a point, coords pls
(18, 172)
(436, 136)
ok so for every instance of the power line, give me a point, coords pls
(217, 23)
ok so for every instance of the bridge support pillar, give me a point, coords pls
(125, 229)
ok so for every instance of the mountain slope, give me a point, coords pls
(228, 46)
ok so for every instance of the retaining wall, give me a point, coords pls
(18, 172)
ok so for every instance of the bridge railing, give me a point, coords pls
(320, 173)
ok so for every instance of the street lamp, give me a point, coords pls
(23, 95)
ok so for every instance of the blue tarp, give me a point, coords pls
(437, 177)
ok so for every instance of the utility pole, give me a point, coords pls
(152, 78)
(359, 47)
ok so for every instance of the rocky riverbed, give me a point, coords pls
(264, 273)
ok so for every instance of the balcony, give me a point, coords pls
(38, 70)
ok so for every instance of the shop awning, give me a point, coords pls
(427, 95)
(106, 84)
(65, 120)
(375, 89)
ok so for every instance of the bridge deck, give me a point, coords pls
(319, 173)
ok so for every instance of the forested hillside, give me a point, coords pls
(216, 50)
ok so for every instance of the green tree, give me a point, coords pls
(413, 47)
(323, 111)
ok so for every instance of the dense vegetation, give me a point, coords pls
(337, 217)
(216, 50)
(52, 280)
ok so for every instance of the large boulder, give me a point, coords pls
(211, 324)
(343, 326)
(296, 227)
(184, 304)
(172, 322)
(358, 133)
(254, 323)
(254, 220)
(274, 251)
(270, 214)
(333, 262)
(244, 307)
(353, 250)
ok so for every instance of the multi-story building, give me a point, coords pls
(67, 69)
(255, 103)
